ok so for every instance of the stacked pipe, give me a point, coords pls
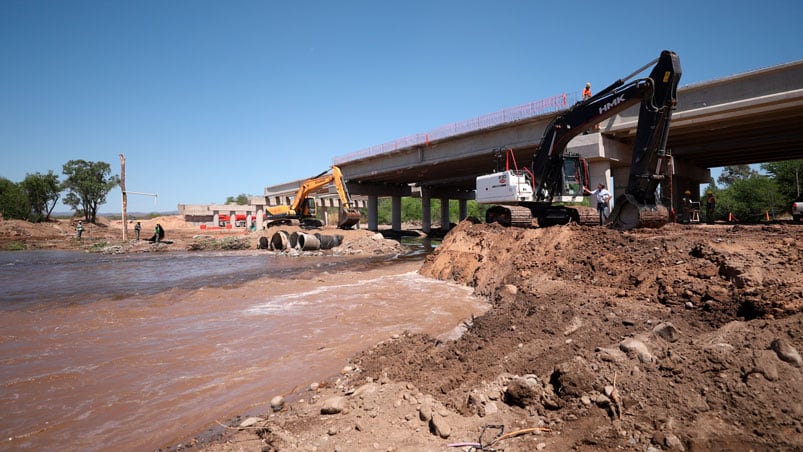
(282, 240)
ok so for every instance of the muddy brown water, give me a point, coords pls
(139, 352)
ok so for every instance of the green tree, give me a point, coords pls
(240, 200)
(788, 176)
(88, 184)
(13, 200)
(731, 174)
(750, 199)
(44, 191)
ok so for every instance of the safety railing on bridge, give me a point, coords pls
(506, 116)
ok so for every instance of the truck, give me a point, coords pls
(302, 210)
(555, 176)
(797, 209)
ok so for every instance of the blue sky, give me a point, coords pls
(210, 99)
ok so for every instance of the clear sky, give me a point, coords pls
(210, 99)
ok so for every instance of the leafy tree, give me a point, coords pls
(789, 177)
(731, 174)
(240, 200)
(44, 191)
(88, 184)
(750, 199)
(13, 200)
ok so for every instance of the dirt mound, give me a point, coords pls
(686, 337)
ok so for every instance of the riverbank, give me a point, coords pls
(682, 338)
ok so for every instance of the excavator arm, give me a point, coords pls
(302, 207)
(557, 176)
(657, 95)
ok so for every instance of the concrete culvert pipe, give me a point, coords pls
(263, 243)
(279, 241)
(308, 242)
(327, 241)
(294, 240)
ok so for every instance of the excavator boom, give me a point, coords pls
(555, 174)
(303, 207)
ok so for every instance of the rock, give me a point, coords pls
(786, 352)
(333, 405)
(667, 332)
(522, 392)
(635, 346)
(611, 354)
(439, 426)
(366, 390)
(574, 325)
(672, 442)
(250, 421)
(600, 399)
(718, 293)
(572, 378)
(491, 408)
(509, 290)
(425, 410)
(277, 403)
(764, 364)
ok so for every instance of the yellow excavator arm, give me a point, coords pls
(302, 207)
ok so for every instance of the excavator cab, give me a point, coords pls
(575, 178)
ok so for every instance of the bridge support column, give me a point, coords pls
(463, 209)
(395, 213)
(260, 213)
(444, 214)
(373, 213)
(426, 211)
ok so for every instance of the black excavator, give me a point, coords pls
(556, 176)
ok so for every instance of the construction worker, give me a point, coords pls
(603, 197)
(587, 91)
(137, 228)
(79, 229)
(685, 207)
(710, 206)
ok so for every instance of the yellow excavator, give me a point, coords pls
(302, 210)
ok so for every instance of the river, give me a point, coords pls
(141, 351)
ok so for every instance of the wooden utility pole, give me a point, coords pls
(125, 197)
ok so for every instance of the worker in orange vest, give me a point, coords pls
(587, 91)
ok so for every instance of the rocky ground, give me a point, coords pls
(681, 338)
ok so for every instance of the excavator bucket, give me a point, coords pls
(348, 218)
(629, 214)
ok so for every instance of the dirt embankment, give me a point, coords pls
(682, 338)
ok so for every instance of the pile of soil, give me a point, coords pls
(680, 338)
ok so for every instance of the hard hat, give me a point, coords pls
(588, 83)
(686, 192)
(708, 192)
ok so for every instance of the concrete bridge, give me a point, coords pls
(754, 117)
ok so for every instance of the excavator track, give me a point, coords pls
(516, 216)
(589, 216)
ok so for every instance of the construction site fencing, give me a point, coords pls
(490, 120)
